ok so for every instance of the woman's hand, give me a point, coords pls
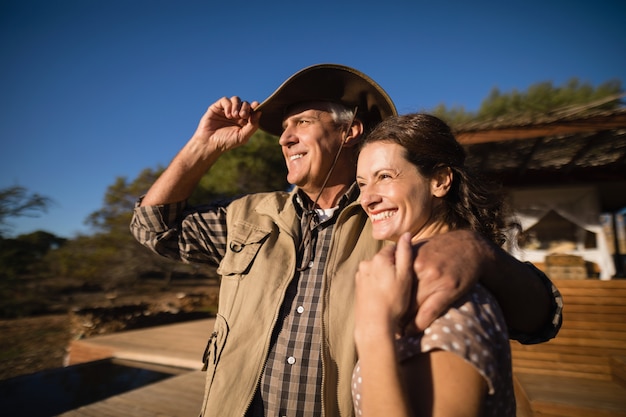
(384, 290)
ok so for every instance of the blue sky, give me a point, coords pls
(95, 90)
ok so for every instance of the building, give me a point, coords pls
(565, 173)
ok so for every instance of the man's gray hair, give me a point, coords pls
(342, 115)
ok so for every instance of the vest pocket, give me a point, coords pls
(244, 242)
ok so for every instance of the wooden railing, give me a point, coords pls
(581, 372)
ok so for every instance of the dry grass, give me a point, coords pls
(32, 344)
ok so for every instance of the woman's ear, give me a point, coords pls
(354, 134)
(442, 181)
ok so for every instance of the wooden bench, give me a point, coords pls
(581, 372)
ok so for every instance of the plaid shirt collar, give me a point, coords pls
(302, 202)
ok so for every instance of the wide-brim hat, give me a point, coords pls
(327, 82)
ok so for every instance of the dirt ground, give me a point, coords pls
(33, 344)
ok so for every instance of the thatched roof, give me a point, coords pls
(574, 146)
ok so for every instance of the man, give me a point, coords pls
(283, 342)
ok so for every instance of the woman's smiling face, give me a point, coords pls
(395, 196)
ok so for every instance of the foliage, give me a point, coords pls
(544, 98)
(110, 257)
(454, 116)
(540, 99)
(256, 167)
(17, 202)
(119, 201)
(25, 253)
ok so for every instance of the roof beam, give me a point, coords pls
(563, 127)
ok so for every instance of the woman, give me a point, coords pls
(414, 185)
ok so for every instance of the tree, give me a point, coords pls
(25, 253)
(544, 98)
(119, 201)
(112, 257)
(17, 202)
(256, 167)
(540, 99)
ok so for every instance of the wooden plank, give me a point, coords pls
(573, 397)
(559, 357)
(180, 345)
(605, 300)
(575, 342)
(589, 283)
(590, 324)
(567, 292)
(618, 369)
(179, 396)
(563, 374)
(521, 400)
(559, 348)
(176, 345)
(577, 374)
(80, 353)
(589, 314)
(600, 335)
(618, 310)
(596, 371)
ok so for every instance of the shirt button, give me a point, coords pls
(311, 264)
(300, 309)
(291, 360)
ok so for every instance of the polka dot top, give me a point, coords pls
(474, 329)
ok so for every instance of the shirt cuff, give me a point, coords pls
(551, 328)
(159, 218)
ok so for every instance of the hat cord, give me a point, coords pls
(332, 167)
(308, 215)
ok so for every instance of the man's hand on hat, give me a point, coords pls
(228, 123)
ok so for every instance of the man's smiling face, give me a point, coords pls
(310, 141)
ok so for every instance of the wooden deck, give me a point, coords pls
(582, 372)
(175, 345)
(179, 396)
(180, 345)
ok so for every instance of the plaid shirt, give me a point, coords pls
(292, 379)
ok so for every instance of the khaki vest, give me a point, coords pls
(260, 262)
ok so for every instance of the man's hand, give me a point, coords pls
(227, 124)
(447, 266)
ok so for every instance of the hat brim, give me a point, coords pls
(327, 82)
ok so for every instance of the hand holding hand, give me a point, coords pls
(447, 266)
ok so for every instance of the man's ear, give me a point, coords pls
(354, 134)
(442, 181)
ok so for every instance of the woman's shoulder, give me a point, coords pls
(474, 323)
